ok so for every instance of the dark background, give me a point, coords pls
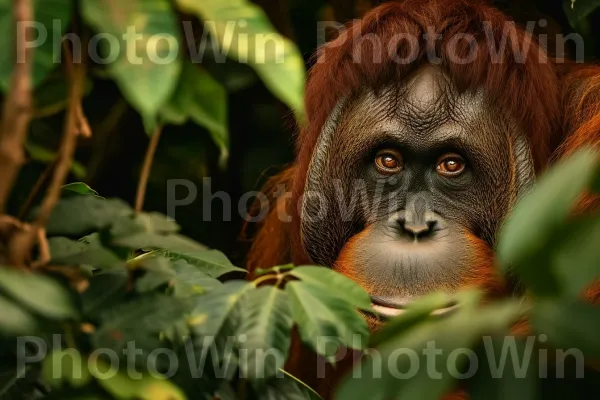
(261, 128)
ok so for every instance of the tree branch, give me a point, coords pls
(143, 184)
(22, 243)
(17, 104)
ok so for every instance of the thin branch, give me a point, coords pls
(22, 244)
(143, 184)
(17, 104)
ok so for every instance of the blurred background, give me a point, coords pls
(261, 128)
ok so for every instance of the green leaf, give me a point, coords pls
(88, 251)
(15, 320)
(151, 314)
(145, 83)
(211, 262)
(278, 62)
(568, 324)
(141, 319)
(334, 284)
(187, 280)
(39, 293)
(45, 156)
(106, 290)
(66, 365)
(324, 319)
(48, 14)
(527, 235)
(158, 272)
(211, 311)
(462, 330)
(201, 98)
(124, 387)
(80, 215)
(191, 281)
(266, 326)
(578, 13)
(575, 258)
(80, 188)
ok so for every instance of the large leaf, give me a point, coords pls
(79, 215)
(528, 234)
(211, 262)
(275, 58)
(266, 326)
(569, 324)
(202, 99)
(334, 284)
(159, 272)
(148, 80)
(190, 280)
(211, 311)
(88, 251)
(39, 293)
(15, 320)
(48, 15)
(403, 376)
(323, 319)
(575, 260)
(124, 387)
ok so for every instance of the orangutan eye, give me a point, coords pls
(388, 162)
(450, 165)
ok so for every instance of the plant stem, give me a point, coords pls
(17, 104)
(143, 184)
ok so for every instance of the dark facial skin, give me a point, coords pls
(402, 180)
